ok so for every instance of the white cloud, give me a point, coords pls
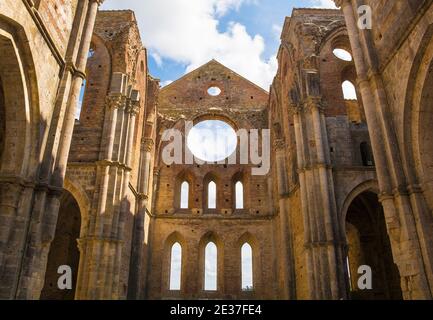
(166, 83)
(222, 6)
(277, 29)
(157, 58)
(186, 31)
(324, 4)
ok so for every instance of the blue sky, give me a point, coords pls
(181, 35)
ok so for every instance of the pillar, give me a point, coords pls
(285, 227)
(404, 223)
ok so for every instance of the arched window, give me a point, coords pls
(80, 100)
(184, 195)
(239, 194)
(366, 155)
(91, 53)
(211, 267)
(349, 91)
(349, 274)
(342, 54)
(176, 267)
(212, 195)
(247, 267)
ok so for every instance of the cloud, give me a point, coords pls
(324, 4)
(187, 32)
(157, 58)
(166, 83)
(222, 6)
(277, 29)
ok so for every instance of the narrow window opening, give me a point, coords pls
(211, 194)
(176, 267)
(349, 274)
(211, 267)
(91, 53)
(239, 192)
(184, 195)
(247, 267)
(80, 100)
(349, 91)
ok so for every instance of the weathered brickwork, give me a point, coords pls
(44, 46)
(58, 17)
(392, 62)
(350, 181)
(108, 152)
(244, 106)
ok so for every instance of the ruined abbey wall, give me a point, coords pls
(84, 181)
(392, 59)
(243, 106)
(44, 49)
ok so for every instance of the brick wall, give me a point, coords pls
(58, 16)
(242, 105)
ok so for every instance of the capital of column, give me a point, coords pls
(116, 164)
(147, 144)
(383, 196)
(72, 69)
(133, 107)
(115, 101)
(294, 109)
(414, 188)
(313, 102)
(311, 63)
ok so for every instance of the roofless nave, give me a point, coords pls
(350, 181)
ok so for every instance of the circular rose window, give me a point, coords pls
(212, 140)
(214, 91)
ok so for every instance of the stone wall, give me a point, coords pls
(44, 47)
(107, 156)
(319, 137)
(242, 105)
(350, 182)
(391, 62)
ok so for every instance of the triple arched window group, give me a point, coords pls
(210, 267)
(211, 192)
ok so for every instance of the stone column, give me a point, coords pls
(43, 203)
(139, 253)
(334, 237)
(285, 228)
(100, 245)
(77, 82)
(146, 170)
(308, 236)
(323, 240)
(119, 225)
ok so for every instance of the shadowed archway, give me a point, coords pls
(369, 244)
(64, 249)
